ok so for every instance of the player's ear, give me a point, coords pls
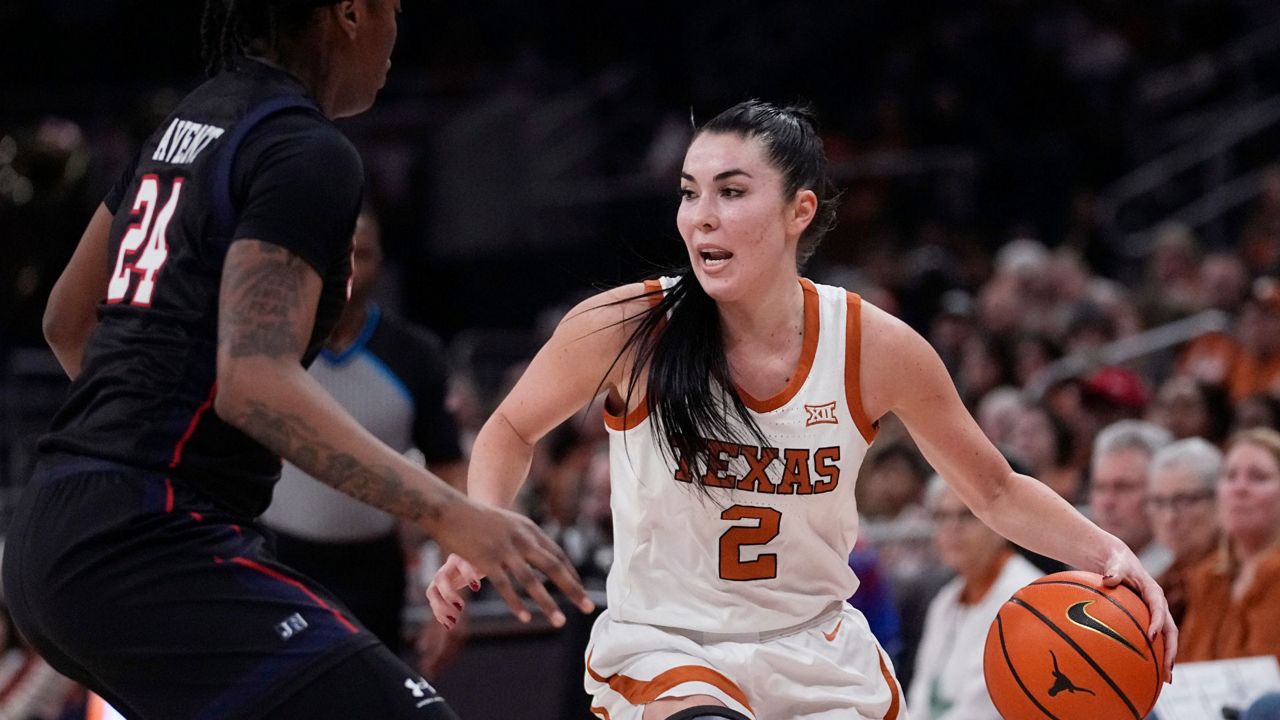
(348, 14)
(803, 208)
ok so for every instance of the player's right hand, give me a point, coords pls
(505, 547)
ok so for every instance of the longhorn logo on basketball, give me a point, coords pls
(824, 414)
(1062, 683)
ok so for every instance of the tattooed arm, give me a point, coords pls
(267, 306)
(71, 314)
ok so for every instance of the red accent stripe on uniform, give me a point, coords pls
(252, 565)
(191, 428)
(168, 495)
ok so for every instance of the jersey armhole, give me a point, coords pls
(853, 368)
(655, 292)
(225, 210)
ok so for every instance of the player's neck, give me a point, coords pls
(978, 584)
(1249, 548)
(310, 75)
(348, 328)
(772, 318)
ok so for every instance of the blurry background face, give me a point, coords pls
(1116, 495)
(366, 258)
(999, 414)
(964, 543)
(1034, 440)
(1181, 409)
(1182, 510)
(1260, 327)
(980, 369)
(1255, 411)
(889, 486)
(1224, 282)
(1249, 492)
(1031, 355)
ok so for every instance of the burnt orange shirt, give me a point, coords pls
(1217, 626)
(1210, 359)
(1252, 375)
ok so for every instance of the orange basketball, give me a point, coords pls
(1068, 648)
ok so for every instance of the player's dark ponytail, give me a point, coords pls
(690, 392)
(231, 28)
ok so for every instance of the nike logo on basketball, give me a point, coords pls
(1062, 683)
(1079, 614)
(831, 636)
(824, 414)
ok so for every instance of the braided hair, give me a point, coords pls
(231, 29)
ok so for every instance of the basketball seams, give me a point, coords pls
(1141, 631)
(1014, 672)
(1079, 650)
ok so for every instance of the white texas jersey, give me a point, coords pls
(770, 547)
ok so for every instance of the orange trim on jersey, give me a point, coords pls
(892, 713)
(604, 714)
(807, 353)
(853, 369)
(641, 411)
(643, 692)
(633, 418)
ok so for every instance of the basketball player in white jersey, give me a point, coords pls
(741, 399)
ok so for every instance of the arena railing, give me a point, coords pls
(1214, 158)
(1129, 349)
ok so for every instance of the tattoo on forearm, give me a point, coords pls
(264, 289)
(300, 443)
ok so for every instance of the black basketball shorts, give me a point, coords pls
(144, 591)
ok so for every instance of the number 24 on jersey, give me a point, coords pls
(144, 247)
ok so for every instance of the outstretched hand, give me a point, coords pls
(1125, 568)
(506, 548)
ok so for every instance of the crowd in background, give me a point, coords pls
(1002, 260)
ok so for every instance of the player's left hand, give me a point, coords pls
(443, 593)
(1123, 567)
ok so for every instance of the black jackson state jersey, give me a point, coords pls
(246, 155)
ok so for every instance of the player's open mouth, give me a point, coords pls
(715, 258)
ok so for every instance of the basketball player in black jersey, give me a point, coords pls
(198, 294)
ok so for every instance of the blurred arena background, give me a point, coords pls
(1077, 202)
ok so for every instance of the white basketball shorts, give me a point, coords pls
(830, 668)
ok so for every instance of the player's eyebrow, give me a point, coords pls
(719, 176)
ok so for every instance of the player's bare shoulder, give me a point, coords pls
(883, 334)
(895, 360)
(592, 338)
(608, 317)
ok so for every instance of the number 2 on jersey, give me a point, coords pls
(150, 230)
(732, 566)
